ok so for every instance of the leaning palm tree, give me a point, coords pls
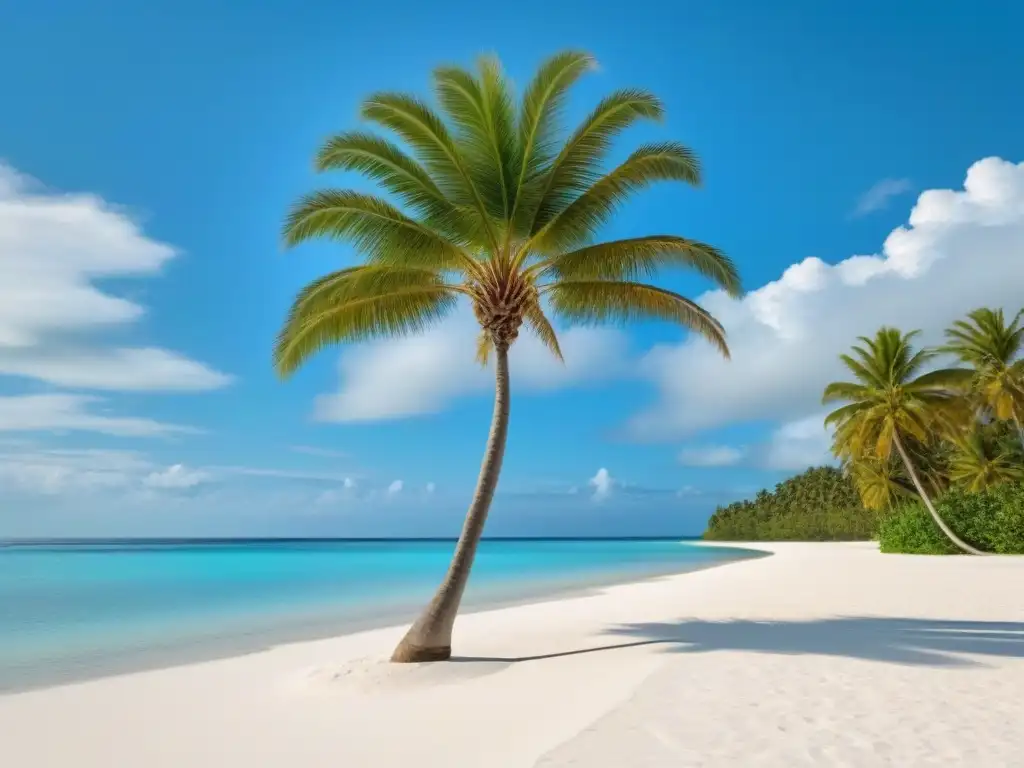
(496, 208)
(995, 350)
(892, 400)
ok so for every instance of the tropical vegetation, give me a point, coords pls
(820, 504)
(934, 454)
(484, 199)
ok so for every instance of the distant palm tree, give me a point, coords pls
(982, 461)
(501, 210)
(892, 399)
(995, 350)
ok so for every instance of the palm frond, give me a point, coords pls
(375, 227)
(541, 108)
(484, 345)
(382, 161)
(482, 111)
(395, 313)
(579, 218)
(594, 302)
(944, 379)
(539, 324)
(845, 390)
(578, 165)
(423, 130)
(642, 257)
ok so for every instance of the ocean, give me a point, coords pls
(75, 610)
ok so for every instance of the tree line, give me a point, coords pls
(934, 456)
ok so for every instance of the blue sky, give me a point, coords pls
(152, 149)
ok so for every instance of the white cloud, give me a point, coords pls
(422, 374)
(602, 483)
(53, 249)
(395, 488)
(175, 476)
(960, 250)
(288, 474)
(70, 412)
(711, 456)
(430, 488)
(879, 195)
(54, 472)
(799, 444)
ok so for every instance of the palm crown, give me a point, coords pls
(493, 206)
(891, 397)
(993, 348)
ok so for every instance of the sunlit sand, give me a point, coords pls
(823, 654)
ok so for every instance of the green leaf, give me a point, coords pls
(383, 162)
(375, 227)
(539, 115)
(594, 302)
(421, 128)
(315, 323)
(578, 165)
(539, 324)
(580, 218)
(642, 257)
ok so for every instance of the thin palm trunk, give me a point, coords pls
(928, 502)
(430, 637)
(1020, 429)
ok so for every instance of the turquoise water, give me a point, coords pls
(77, 610)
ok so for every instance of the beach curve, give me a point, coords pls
(822, 654)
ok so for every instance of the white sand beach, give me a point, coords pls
(823, 654)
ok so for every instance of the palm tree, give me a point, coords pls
(890, 401)
(983, 460)
(995, 350)
(496, 209)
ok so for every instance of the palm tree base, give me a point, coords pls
(407, 653)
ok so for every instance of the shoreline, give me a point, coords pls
(90, 667)
(822, 654)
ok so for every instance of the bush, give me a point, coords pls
(991, 520)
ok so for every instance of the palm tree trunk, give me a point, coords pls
(1020, 429)
(430, 637)
(928, 502)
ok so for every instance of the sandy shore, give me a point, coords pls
(824, 654)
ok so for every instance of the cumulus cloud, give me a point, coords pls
(960, 250)
(54, 249)
(175, 476)
(879, 195)
(59, 412)
(799, 444)
(422, 374)
(602, 483)
(711, 456)
(430, 488)
(395, 488)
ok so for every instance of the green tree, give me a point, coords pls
(983, 460)
(892, 400)
(498, 208)
(994, 349)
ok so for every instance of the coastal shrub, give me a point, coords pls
(910, 530)
(991, 520)
(819, 505)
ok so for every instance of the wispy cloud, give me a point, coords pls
(879, 195)
(711, 456)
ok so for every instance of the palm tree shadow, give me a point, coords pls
(919, 642)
